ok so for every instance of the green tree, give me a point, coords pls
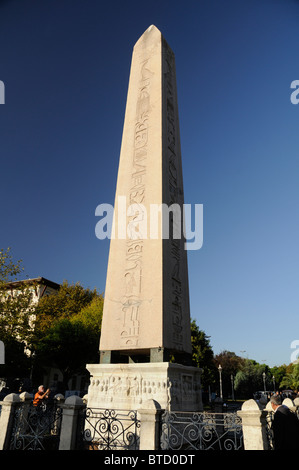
(15, 316)
(250, 378)
(67, 302)
(69, 346)
(68, 326)
(231, 364)
(91, 315)
(202, 355)
(9, 270)
(278, 372)
(291, 379)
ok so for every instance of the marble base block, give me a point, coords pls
(130, 386)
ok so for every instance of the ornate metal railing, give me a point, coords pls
(201, 431)
(36, 428)
(269, 432)
(110, 429)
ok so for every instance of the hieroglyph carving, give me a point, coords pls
(137, 194)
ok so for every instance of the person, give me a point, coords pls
(40, 395)
(285, 426)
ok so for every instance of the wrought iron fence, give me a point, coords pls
(269, 432)
(201, 431)
(104, 429)
(36, 428)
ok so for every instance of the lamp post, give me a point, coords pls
(273, 379)
(232, 380)
(220, 381)
(31, 368)
(264, 379)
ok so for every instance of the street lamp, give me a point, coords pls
(31, 368)
(220, 381)
(273, 379)
(264, 379)
(232, 380)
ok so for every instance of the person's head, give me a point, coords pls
(275, 401)
(41, 388)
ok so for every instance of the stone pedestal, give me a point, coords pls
(130, 386)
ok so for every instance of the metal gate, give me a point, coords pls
(201, 431)
(36, 428)
(104, 429)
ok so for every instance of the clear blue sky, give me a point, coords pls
(65, 65)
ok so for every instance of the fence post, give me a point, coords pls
(68, 433)
(6, 418)
(254, 426)
(218, 405)
(26, 399)
(149, 425)
(290, 404)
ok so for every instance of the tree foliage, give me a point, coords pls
(67, 329)
(15, 316)
(16, 303)
(202, 355)
(91, 315)
(278, 372)
(9, 269)
(69, 300)
(291, 379)
(68, 345)
(250, 378)
(231, 364)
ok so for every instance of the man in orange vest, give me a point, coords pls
(40, 395)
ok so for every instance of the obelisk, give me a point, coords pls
(146, 317)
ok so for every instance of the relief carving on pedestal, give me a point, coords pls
(135, 386)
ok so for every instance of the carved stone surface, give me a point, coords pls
(146, 313)
(146, 297)
(129, 386)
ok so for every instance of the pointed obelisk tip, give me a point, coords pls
(151, 30)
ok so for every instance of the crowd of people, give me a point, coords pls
(292, 394)
(266, 395)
